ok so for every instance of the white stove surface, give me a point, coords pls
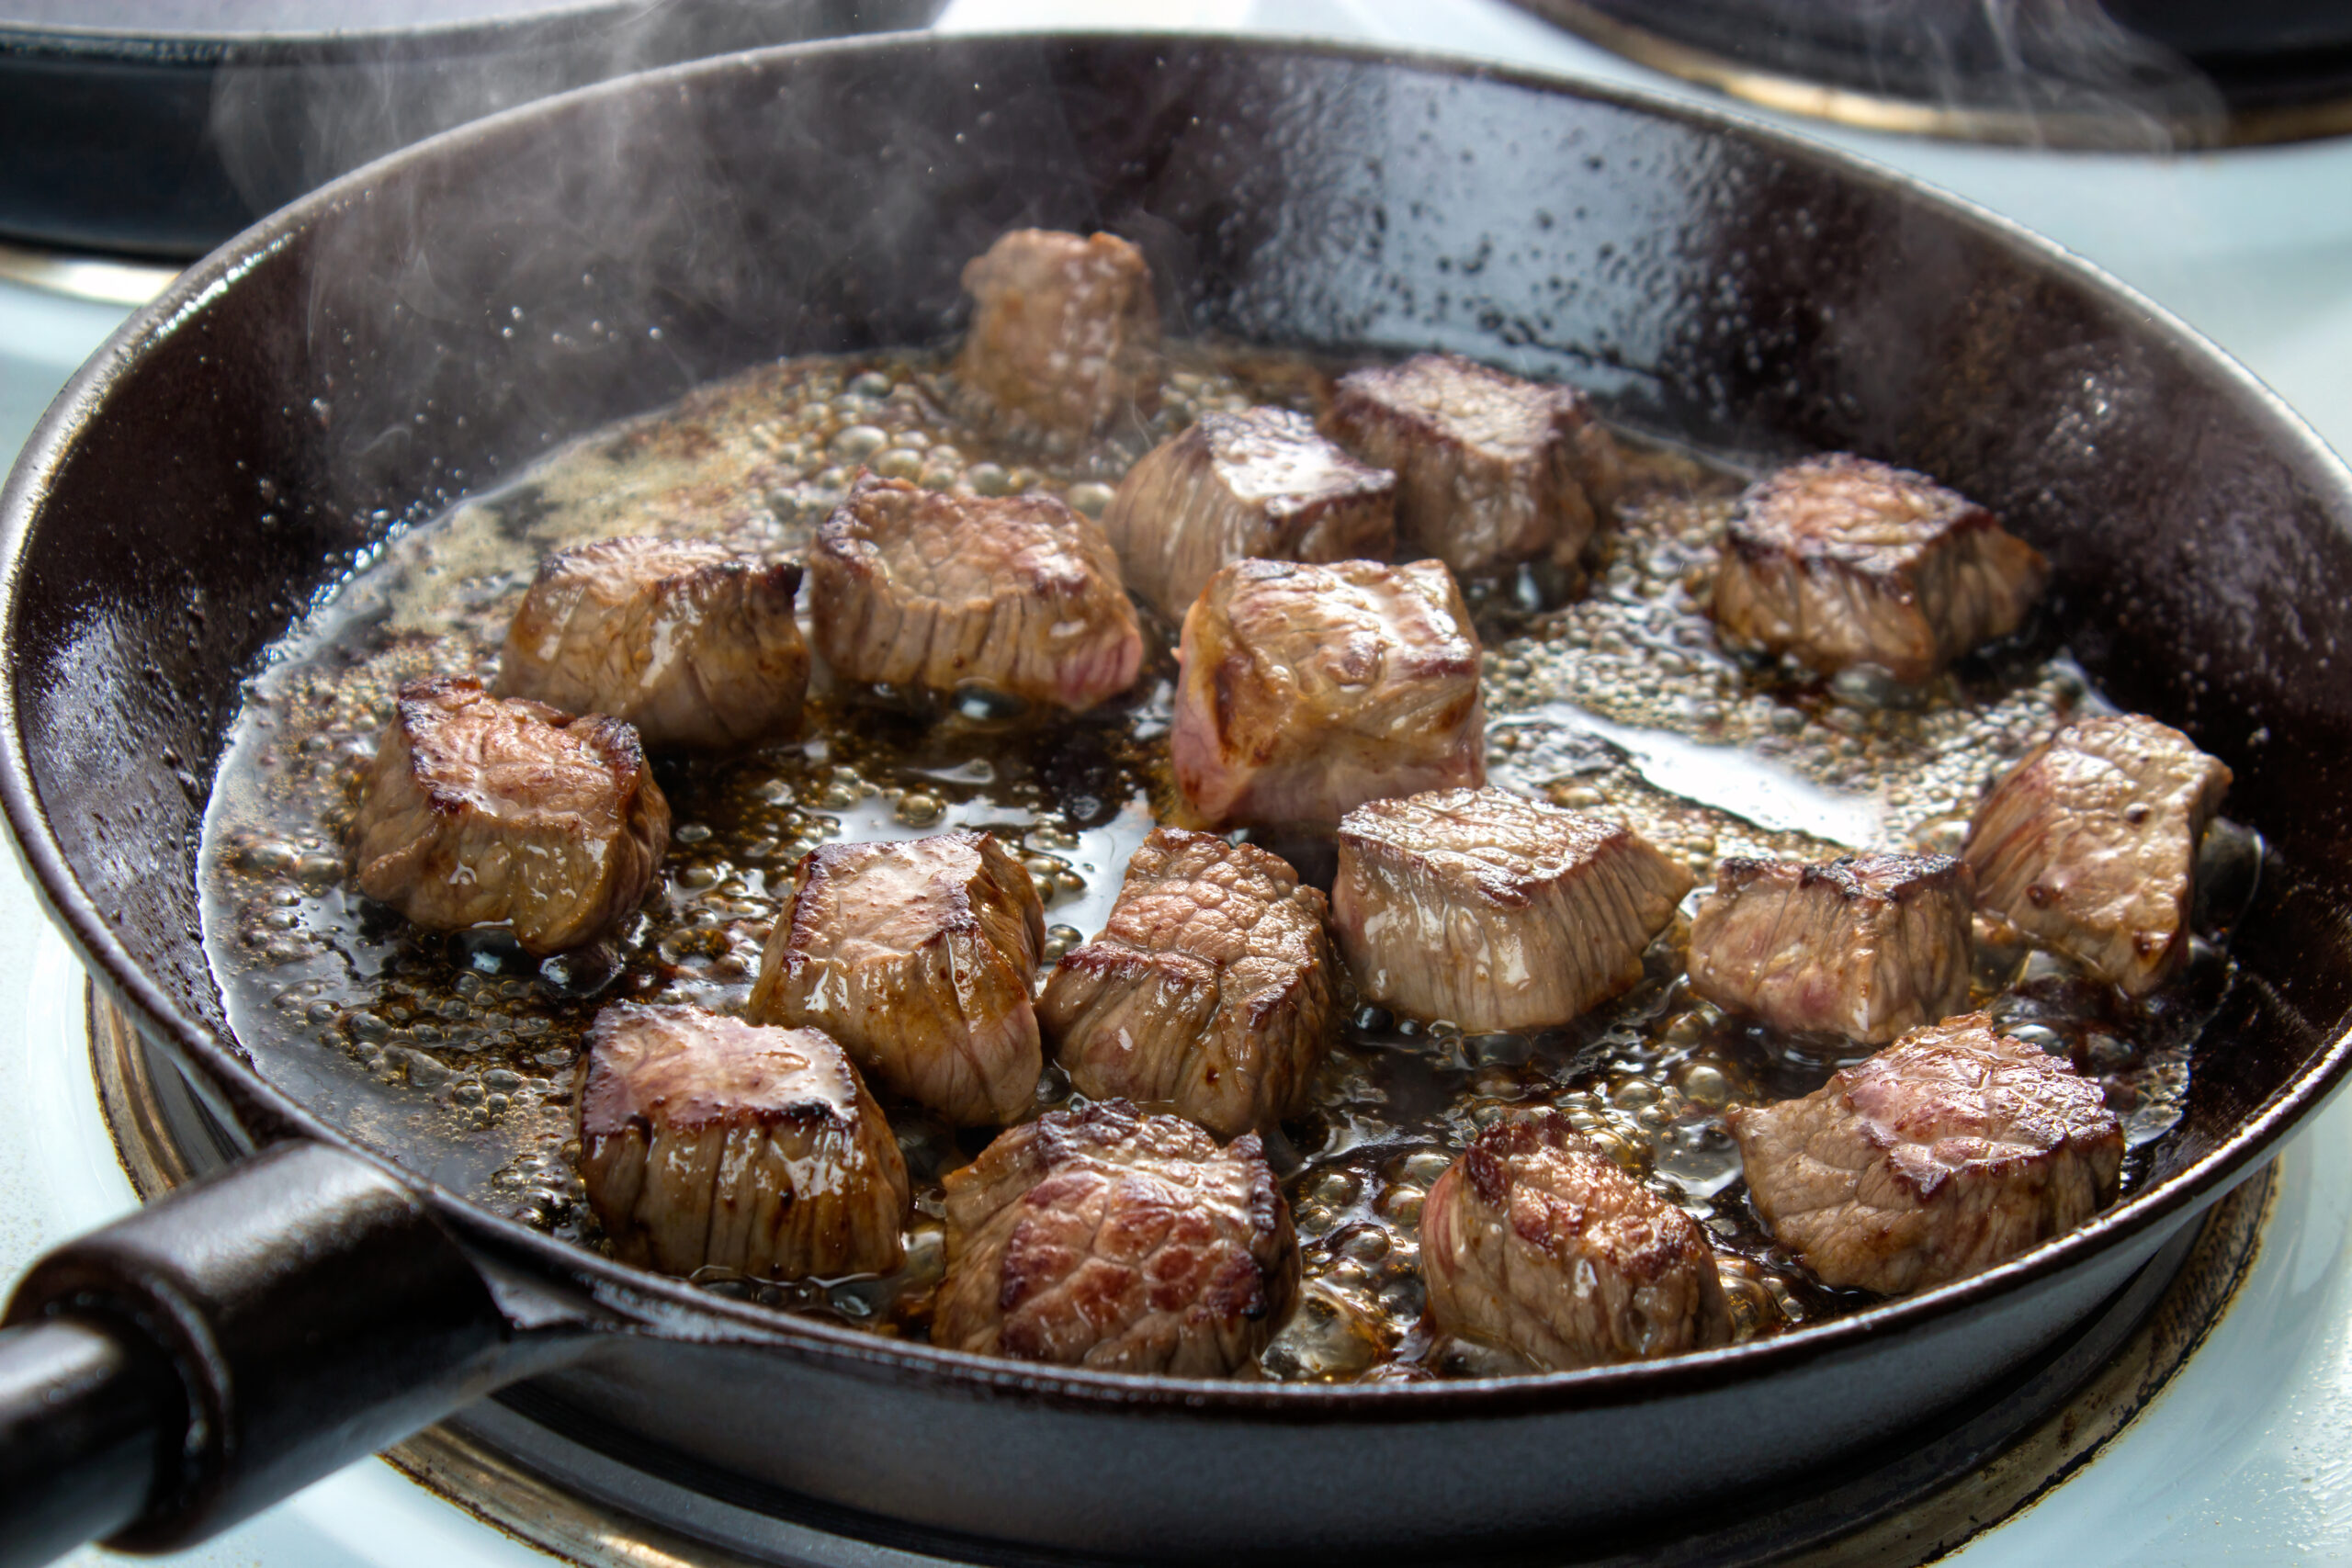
(2246, 1455)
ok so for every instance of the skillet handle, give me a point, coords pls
(167, 1376)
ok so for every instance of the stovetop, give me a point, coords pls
(2246, 1454)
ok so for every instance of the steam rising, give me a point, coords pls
(286, 117)
(2056, 72)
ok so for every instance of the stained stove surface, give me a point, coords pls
(2246, 1451)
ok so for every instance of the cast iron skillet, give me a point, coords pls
(351, 364)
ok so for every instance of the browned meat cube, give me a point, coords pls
(1208, 990)
(917, 957)
(909, 587)
(686, 641)
(2089, 845)
(1305, 690)
(1490, 469)
(1535, 1241)
(705, 1141)
(483, 810)
(1259, 484)
(1867, 947)
(1950, 1151)
(1065, 334)
(1840, 561)
(1493, 910)
(1107, 1239)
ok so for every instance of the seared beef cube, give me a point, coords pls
(1065, 334)
(686, 641)
(917, 957)
(1840, 561)
(1952, 1150)
(1305, 690)
(706, 1141)
(1208, 990)
(1868, 946)
(1493, 910)
(1535, 1241)
(908, 587)
(1262, 484)
(1108, 1238)
(2089, 845)
(1490, 469)
(483, 810)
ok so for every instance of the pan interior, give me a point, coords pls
(459, 1054)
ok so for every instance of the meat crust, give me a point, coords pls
(1108, 1238)
(1839, 561)
(1209, 990)
(1305, 691)
(1950, 1151)
(1065, 335)
(483, 810)
(708, 1141)
(1490, 469)
(908, 587)
(1496, 911)
(1258, 484)
(917, 957)
(1535, 1241)
(2089, 845)
(1868, 947)
(686, 641)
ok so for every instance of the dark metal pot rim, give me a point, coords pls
(1819, 89)
(663, 1305)
(554, 25)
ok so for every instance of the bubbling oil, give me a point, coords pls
(459, 1055)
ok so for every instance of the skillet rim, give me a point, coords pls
(653, 1303)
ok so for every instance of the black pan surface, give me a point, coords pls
(342, 371)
